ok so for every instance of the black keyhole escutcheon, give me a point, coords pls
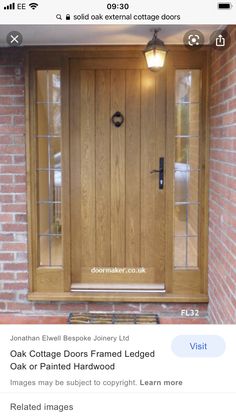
(117, 119)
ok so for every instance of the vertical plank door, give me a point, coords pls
(117, 208)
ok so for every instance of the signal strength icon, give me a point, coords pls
(33, 5)
(10, 6)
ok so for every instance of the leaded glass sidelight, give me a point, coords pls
(48, 166)
(186, 168)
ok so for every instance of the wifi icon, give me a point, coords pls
(33, 5)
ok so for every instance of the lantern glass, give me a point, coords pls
(155, 58)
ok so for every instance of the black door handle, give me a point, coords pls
(161, 172)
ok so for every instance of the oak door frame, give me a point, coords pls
(53, 283)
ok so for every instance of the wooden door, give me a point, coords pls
(117, 208)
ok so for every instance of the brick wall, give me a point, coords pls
(222, 215)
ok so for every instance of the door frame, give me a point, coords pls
(54, 283)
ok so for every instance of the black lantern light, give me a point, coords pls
(155, 52)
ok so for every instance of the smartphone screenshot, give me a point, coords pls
(117, 209)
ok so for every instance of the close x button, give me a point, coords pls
(14, 39)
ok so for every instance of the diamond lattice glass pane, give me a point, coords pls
(56, 250)
(192, 252)
(186, 183)
(193, 180)
(180, 220)
(187, 119)
(42, 90)
(188, 86)
(187, 151)
(55, 154)
(54, 116)
(43, 151)
(42, 119)
(180, 252)
(192, 226)
(44, 186)
(44, 251)
(44, 219)
(54, 86)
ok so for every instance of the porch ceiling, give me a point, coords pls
(100, 34)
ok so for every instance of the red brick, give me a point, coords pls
(15, 286)
(19, 100)
(11, 110)
(105, 307)
(6, 257)
(7, 296)
(14, 319)
(127, 307)
(11, 91)
(19, 159)
(11, 149)
(174, 320)
(15, 266)
(19, 139)
(22, 276)
(13, 188)
(46, 306)
(5, 159)
(11, 129)
(7, 70)
(14, 227)
(15, 208)
(7, 237)
(19, 306)
(18, 120)
(6, 218)
(12, 169)
(20, 198)
(6, 199)
(20, 218)
(5, 276)
(8, 80)
(74, 307)
(20, 179)
(6, 179)
(5, 120)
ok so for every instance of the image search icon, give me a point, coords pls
(193, 39)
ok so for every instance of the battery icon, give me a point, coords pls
(224, 6)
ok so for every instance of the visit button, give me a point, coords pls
(198, 346)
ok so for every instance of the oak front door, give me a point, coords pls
(117, 138)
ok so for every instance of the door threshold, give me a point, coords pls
(125, 288)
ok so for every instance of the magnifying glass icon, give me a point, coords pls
(59, 17)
